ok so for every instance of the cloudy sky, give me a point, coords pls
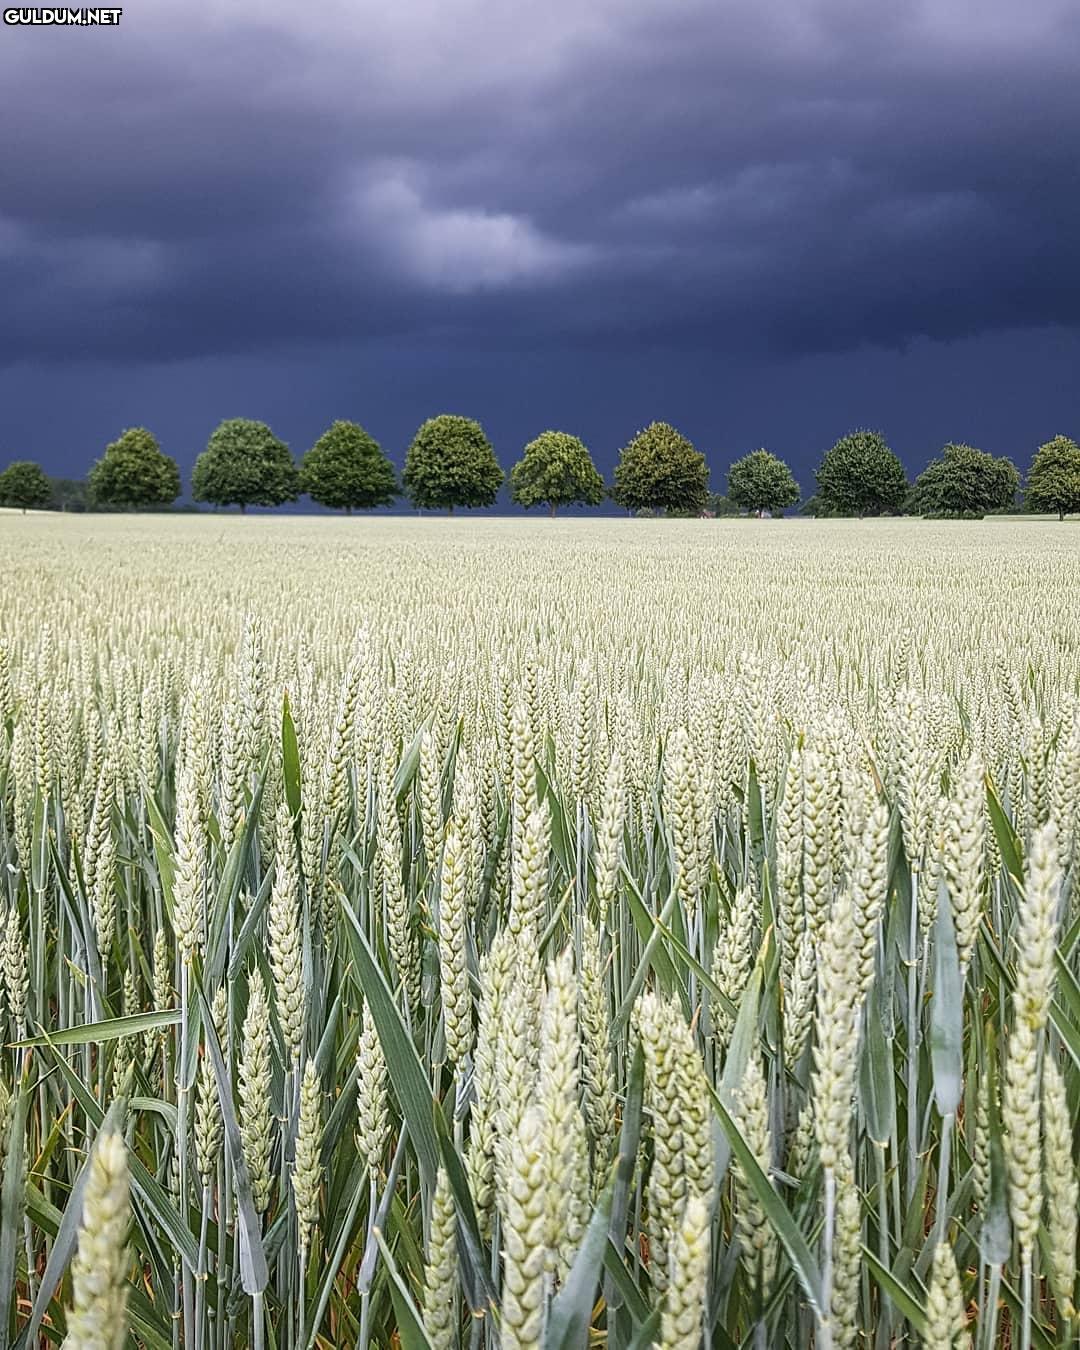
(765, 221)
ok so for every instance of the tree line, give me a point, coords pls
(451, 463)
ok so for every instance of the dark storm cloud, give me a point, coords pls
(785, 176)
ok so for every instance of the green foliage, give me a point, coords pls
(244, 464)
(1054, 480)
(721, 505)
(556, 470)
(133, 472)
(818, 509)
(347, 470)
(451, 463)
(68, 494)
(760, 482)
(963, 483)
(661, 471)
(25, 484)
(860, 476)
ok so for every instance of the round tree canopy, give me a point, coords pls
(659, 470)
(860, 476)
(963, 482)
(1054, 481)
(761, 482)
(556, 470)
(133, 472)
(244, 464)
(26, 485)
(451, 463)
(347, 470)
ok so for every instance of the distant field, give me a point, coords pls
(501, 847)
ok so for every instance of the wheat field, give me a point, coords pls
(507, 933)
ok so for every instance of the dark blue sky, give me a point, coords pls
(766, 221)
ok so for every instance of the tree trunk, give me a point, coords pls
(450, 509)
(1061, 515)
(243, 508)
(551, 510)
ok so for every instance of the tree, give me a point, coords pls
(451, 463)
(347, 470)
(556, 470)
(860, 476)
(1054, 479)
(721, 505)
(661, 471)
(25, 484)
(133, 472)
(760, 482)
(244, 464)
(963, 482)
